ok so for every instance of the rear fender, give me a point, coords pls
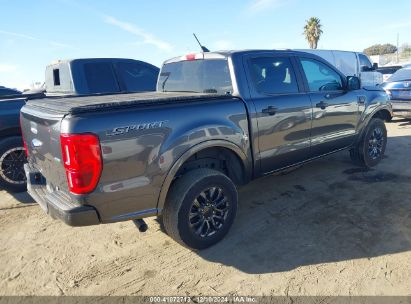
(197, 148)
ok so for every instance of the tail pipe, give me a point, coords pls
(141, 225)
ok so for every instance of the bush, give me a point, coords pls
(380, 49)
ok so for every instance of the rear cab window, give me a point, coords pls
(197, 76)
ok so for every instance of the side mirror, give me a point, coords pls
(375, 66)
(353, 83)
(365, 68)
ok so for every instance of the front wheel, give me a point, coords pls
(200, 208)
(12, 160)
(370, 150)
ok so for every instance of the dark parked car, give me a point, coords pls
(8, 92)
(398, 87)
(388, 71)
(217, 120)
(65, 77)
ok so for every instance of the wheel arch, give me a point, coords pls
(384, 114)
(230, 150)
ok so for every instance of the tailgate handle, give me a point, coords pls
(322, 105)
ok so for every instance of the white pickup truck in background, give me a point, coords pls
(352, 64)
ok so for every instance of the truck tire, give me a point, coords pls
(200, 208)
(12, 160)
(370, 149)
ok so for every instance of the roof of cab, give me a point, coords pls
(228, 53)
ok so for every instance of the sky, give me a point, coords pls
(35, 33)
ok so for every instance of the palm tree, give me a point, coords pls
(313, 31)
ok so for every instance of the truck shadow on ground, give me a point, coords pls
(402, 122)
(325, 212)
(22, 197)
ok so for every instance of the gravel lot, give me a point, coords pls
(327, 228)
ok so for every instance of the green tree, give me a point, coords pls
(313, 31)
(405, 50)
(380, 49)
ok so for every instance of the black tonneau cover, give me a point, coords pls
(81, 104)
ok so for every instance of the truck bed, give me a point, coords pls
(81, 104)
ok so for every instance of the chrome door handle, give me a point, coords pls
(361, 99)
(270, 110)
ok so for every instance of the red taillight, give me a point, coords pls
(24, 141)
(82, 161)
(25, 148)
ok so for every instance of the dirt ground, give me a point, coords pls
(327, 228)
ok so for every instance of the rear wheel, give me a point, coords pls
(12, 160)
(200, 208)
(370, 150)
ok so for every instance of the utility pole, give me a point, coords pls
(398, 46)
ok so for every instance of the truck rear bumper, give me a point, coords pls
(58, 204)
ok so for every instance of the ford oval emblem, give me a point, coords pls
(35, 143)
(406, 84)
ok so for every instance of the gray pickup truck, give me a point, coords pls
(217, 121)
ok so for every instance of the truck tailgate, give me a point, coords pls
(41, 132)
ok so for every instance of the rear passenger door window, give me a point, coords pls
(273, 75)
(100, 78)
(320, 77)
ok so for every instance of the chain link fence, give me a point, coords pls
(392, 59)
